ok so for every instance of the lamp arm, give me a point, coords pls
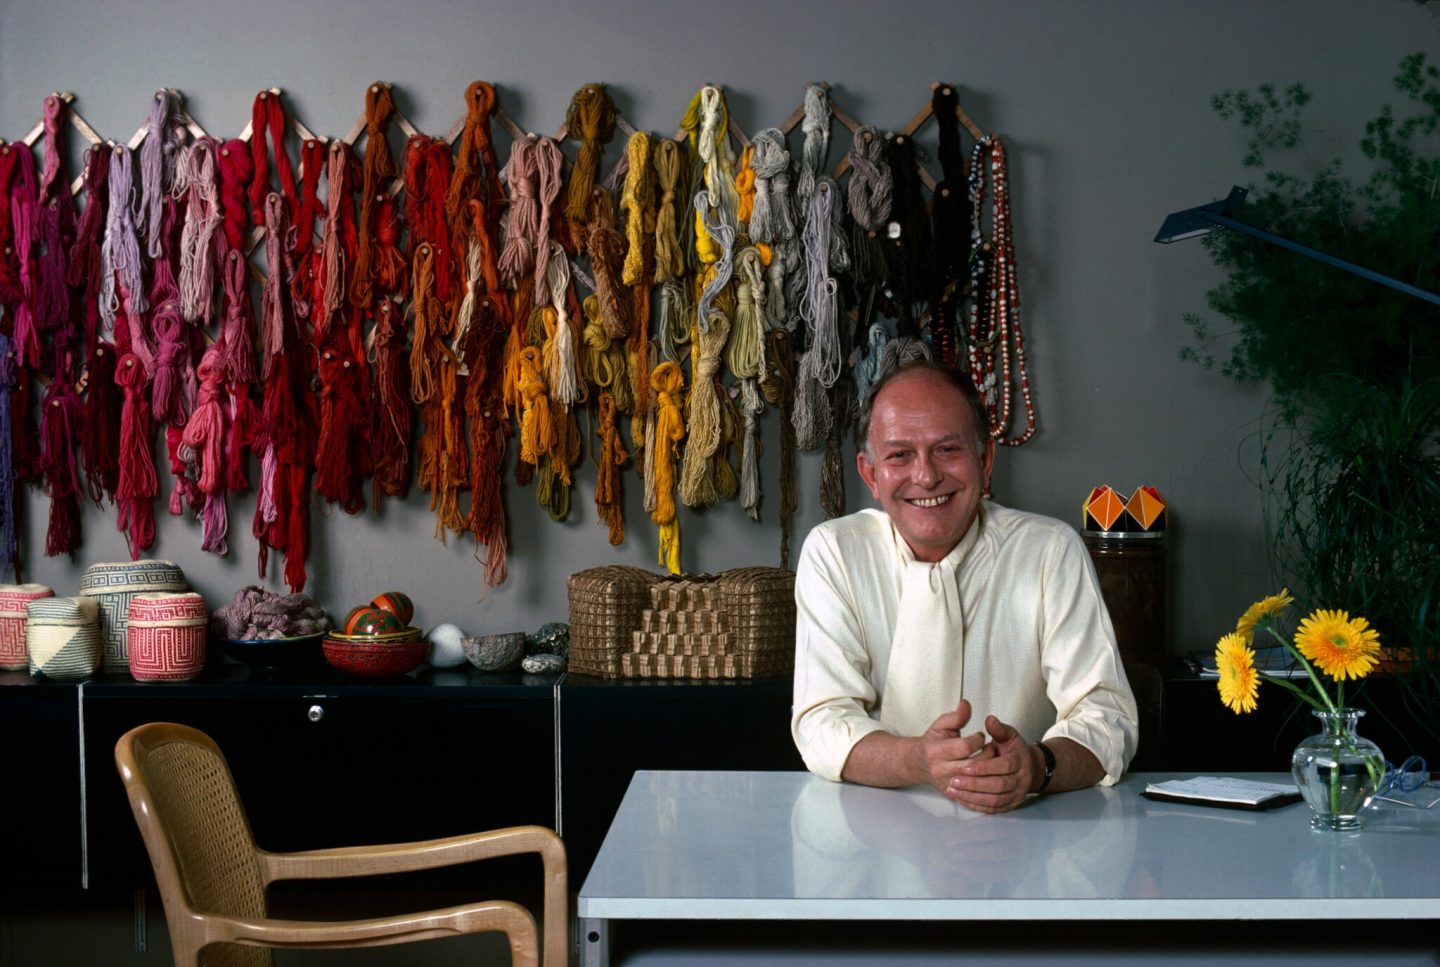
(1226, 222)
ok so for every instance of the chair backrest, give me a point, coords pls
(195, 831)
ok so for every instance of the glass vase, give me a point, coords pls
(1338, 771)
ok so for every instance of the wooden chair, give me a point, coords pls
(213, 878)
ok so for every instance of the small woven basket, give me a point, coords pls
(165, 636)
(14, 649)
(626, 622)
(63, 635)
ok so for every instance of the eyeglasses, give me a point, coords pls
(1412, 774)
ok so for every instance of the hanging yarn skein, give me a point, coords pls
(668, 383)
(373, 267)
(196, 181)
(638, 201)
(591, 119)
(268, 120)
(24, 215)
(391, 427)
(9, 533)
(56, 228)
(950, 215)
(816, 126)
(60, 428)
(608, 497)
(307, 285)
(235, 170)
(237, 357)
(203, 448)
(83, 268)
(158, 155)
(778, 387)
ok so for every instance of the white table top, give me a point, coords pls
(791, 846)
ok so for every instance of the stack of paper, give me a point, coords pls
(1224, 791)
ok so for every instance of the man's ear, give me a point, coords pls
(987, 462)
(867, 472)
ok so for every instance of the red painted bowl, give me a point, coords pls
(397, 603)
(375, 659)
(369, 620)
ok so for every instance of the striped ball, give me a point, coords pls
(114, 586)
(14, 650)
(63, 636)
(165, 636)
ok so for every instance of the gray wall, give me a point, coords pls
(1104, 109)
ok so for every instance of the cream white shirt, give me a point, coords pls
(1012, 620)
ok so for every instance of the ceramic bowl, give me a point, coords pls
(397, 603)
(297, 652)
(374, 659)
(370, 620)
(494, 653)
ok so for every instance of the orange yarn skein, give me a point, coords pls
(668, 382)
(591, 120)
(537, 430)
(608, 500)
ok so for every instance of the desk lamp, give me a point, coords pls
(1193, 222)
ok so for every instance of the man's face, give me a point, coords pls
(920, 461)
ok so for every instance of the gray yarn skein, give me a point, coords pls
(723, 232)
(872, 187)
(772, 219)
(818, 307)
(817, 142)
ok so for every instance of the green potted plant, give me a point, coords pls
(1350, 456)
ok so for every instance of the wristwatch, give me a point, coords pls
(1049, 765)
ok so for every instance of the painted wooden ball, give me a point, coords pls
(397, 603)
(368, 620)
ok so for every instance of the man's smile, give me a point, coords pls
(929, 501)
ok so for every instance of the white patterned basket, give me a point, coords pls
(165, 636)
(14, 649)
(114, 586)
(63, 636)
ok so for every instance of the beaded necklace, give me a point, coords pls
(993, 321)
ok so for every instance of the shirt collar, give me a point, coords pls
(957, 554)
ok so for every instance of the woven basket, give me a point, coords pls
(165, 636)
(627, 622)
(605, 607)
(114, 586)
(14, 650)
(63, 635)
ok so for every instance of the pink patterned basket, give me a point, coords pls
(14, 648)
(165, 636)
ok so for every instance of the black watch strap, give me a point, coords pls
(1049, 765)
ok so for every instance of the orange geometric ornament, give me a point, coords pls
(1104, 508)
(1147, 508)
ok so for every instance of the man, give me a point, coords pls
(940, 609)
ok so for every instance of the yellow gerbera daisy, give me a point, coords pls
(1267, 607)
(1343, 647)
(1238, 679)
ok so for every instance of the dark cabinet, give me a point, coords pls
(40, 812)
(323, 764)
(324, 760)
(608, 729)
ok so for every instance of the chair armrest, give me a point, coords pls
(511, 918)
(352, 861)
(349, 861)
